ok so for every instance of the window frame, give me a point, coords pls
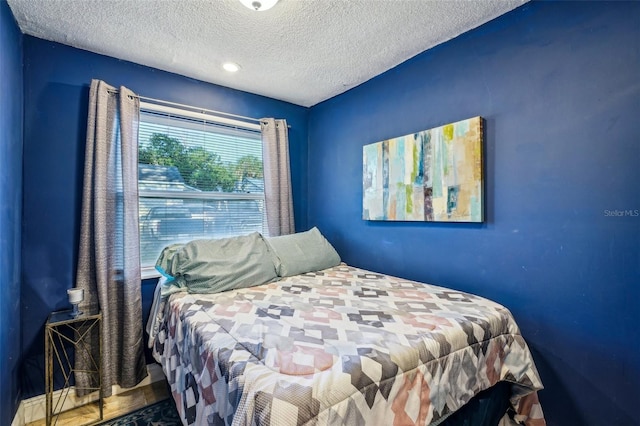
(149, 271)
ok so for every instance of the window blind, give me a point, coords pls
(198, 178)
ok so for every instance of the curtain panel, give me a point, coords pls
(277, 177)
(109, 254)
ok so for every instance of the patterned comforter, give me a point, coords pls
(340, 346)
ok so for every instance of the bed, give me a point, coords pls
(332, 345)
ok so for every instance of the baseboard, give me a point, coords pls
(33, 409)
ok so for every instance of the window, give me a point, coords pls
(199, 176)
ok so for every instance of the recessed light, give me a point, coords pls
(231, 66)
(259, 5)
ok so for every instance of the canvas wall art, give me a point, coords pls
(435, 175)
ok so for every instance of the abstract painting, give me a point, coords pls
(435, 175)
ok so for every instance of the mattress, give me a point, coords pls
(340, 346)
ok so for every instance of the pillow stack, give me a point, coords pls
(212, 266)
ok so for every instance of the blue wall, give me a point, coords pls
(56, 79)
(11, 101)
(559, 87)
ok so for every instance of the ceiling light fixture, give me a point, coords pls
(231, 66)
(259, 5)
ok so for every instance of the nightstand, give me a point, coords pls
(66, 336)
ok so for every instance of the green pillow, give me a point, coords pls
(302, 252)
(212, 266)
(163, 264)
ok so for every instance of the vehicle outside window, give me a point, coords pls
(239, 216)
(177, 222)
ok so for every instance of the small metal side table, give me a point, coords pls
(65, 337)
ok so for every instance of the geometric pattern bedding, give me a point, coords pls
(341, 346)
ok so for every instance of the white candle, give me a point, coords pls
(76, 295)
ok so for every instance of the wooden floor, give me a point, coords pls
(114, 406)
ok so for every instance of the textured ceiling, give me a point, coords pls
(300, 51)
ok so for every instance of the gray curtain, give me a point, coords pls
(109, 253)
(277, 177)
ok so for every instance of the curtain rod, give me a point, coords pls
(211, 111)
